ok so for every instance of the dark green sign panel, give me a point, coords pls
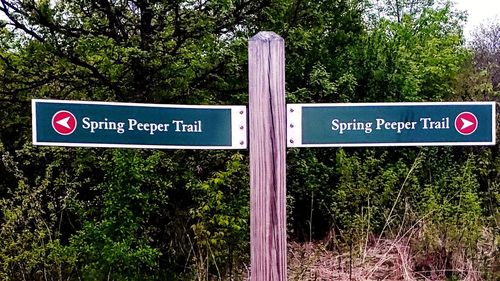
(102, 124)
(391, 124)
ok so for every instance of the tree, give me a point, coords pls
(397, 9)
(109, 49)
(485, 43)
(138, 51)
(80, 215)
(416, 59)
(84, 213)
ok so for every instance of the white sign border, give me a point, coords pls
(294, 124)
(239, 139)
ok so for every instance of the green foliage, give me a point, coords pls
(36, 212)
(452, 202)
(114, 241)
(96, 214)
(452, 225)
(364, 184)
(321, 40)
(416, 59)
(221, 225)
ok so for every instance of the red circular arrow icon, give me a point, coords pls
(466, 123)
(64, 122)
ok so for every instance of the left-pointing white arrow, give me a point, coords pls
(64, 122)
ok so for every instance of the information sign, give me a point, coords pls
(112, 124)
(391, 124)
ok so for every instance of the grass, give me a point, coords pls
(399, 258)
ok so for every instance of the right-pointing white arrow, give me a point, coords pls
(466, 123)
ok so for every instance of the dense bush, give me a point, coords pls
(120, 214)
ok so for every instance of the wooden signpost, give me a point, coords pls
(98, 124)
(266, 71)
(320, 125)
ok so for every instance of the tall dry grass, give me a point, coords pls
(399, 258)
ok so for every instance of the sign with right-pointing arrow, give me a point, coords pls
(391, 124)
(466, 123)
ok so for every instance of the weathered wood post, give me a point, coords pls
(266, 65)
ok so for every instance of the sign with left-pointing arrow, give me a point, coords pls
(64, 122)
(111, 124)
